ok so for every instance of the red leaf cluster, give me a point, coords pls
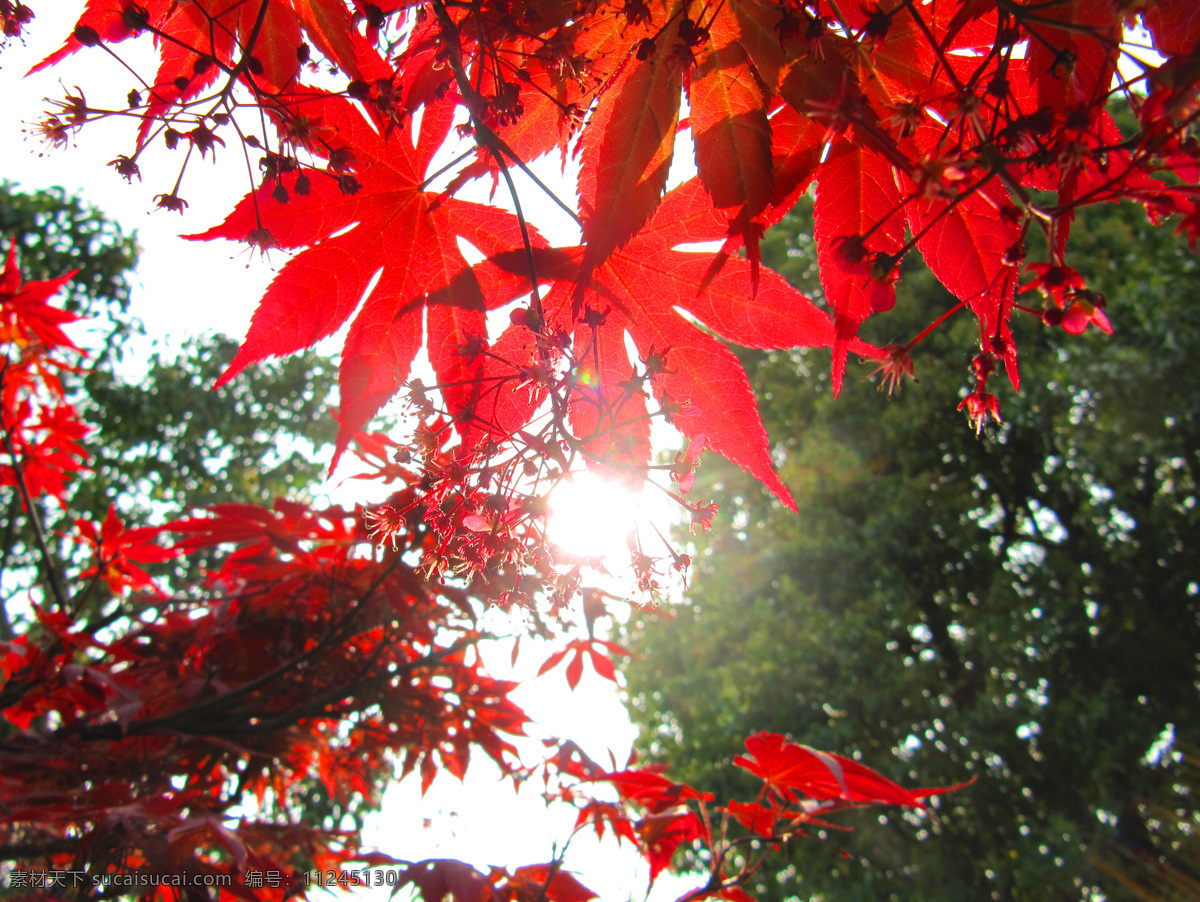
(946, 128)
(952, 129)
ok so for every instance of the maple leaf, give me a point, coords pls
(25, 317)
(437, 879)
(115, 547)
(197, 41)
(757, 818)
(855, 217)
(627, 149)
(1175, 25)
(577, 649)
(644, 285)
(390, 226)
(662, 834)
(535, 882)
(258, 41)
(728, 115)
(329, 25)
(787, 768)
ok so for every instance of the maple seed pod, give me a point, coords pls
(303, 54)
(877, 25)
(86, 35)
(359, 90)
(21, 14)
(1040, 121)
(645, 49)
(376, 18)
(850, 251)
(254, 64)
(202, 65)
(1012, 215)
(998, 86)
(636, 11)
(1052, 316)
(982, 366)
(261, 239)
(1007, 37)
(1064, 63)
(349, 184)
(135, 17)
(171, 202)
(1078, 119)
(127, 167)
(280, 193)
(181, 83)
(171, 137)
(133, 98)
(303, 185)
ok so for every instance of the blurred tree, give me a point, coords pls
(1020, 607)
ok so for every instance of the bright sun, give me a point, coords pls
(592, 517)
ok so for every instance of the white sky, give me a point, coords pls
(186, 288)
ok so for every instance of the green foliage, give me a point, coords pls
(170, 439)
(1019, 608)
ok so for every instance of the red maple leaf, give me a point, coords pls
(202, 40)
(378, 221)
(642, 287)
(856, 217)
(788, 768)
(116, 548)
(535, 882)
(441, 878)
(25, 317)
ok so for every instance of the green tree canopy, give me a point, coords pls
(1019, 608)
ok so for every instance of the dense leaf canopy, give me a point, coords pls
(321, 643)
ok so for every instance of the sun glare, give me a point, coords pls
(590, 516)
